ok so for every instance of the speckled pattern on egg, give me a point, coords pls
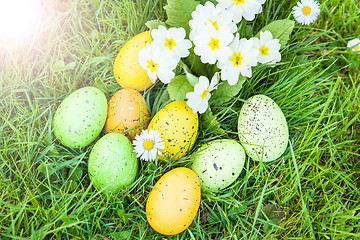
(128, 72)
(80, 118)
(112, 163)
(127, 113)
(218, 163)
(262, 128)
(173, 203)
(178, 125)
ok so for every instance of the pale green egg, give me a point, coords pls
(262, 128)
(112, 163)
(80, 118)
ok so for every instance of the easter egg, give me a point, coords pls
(112, 163)
(80, 117)
(127, 113)
(128, 73)
(218, 163)
(174, 201)
(262, 129)
(178, 126)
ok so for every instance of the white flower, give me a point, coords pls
(157, 63)
(213, 45)
(198, 100)
(242, 8)
(306, 11)
(208, 16)
(147, 145)
(242, 57)
(269, 48)
(354, 44)
(172, 40)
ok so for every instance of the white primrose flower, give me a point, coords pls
(147, 145)
(208, 16)
(306, 11)
(243, 56)
(242, 8)
(213, 45)
(172, 40)
(157, 63)
(354, 44)
(269, 48)
(198, 100)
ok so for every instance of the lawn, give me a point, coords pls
(311, 192)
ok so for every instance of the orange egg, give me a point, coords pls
(127, 113)
(174, 201)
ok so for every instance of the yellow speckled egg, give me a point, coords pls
(127, 113)
(127, 71)
(173, 203)
(178, 126)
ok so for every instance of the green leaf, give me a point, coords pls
(75, 174)
(273, 213)
(195, 64)
(210, 122)
(120, 235)
(225, 91)
(154, 24)
(179, 13)
(60, 66)
(280, 29)
(179, 87)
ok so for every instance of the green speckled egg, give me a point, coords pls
(262, 128)
(178, 126)
(218, 163)
(112, 163)
(80, 118)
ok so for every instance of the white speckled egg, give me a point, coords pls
(262, 128)
(80, 118)
(112, 163)
(218, 163)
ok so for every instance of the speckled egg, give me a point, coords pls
(112, 163)
(218, 163)
(128, 72)
(80, 118)
(178, 126)
(262, 128)
(127, 113)
(174, 201)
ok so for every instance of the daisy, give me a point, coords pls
(242, 8)
(242, 57)
(269, 48)
(208, 16)
(198, 100)
(306, 11)
(172, 40)
(213, 45)
(354, 44)
(157, 63)
(147, 145)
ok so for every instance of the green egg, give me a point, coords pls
(112, 163)
(218, 163)
(80, 118)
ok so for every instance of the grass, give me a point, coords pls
(314, 188)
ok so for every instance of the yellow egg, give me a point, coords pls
(178, 125)
(127, 113)
(127, 71)
(173, 203)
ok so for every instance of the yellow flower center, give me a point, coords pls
(152, 65)
(214, 23)
(214, 44)
(237, 2)
(236, 59)
(148, 144)
(357, 48)
(264, 50)
(306, 10)
(169, 43)
(203, 95)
